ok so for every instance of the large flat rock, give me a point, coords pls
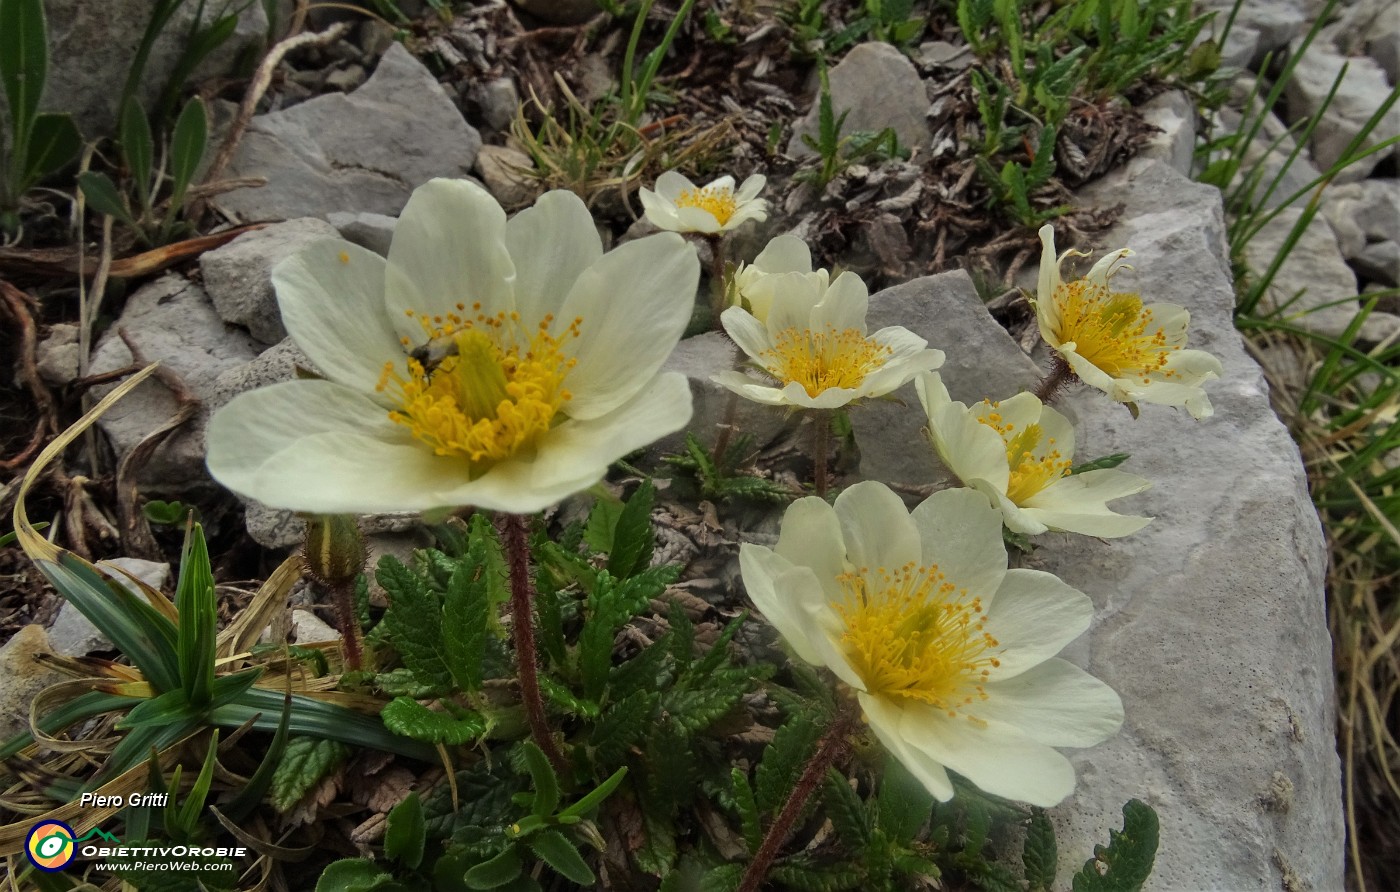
(364, 151)
(1211, 621)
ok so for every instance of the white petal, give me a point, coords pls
(671, 184)
(843, 306)
(1016, 518)
(659, 211)
(785, 254)
(747, 332)
(1089, 373)
(1033, 616)
(885, 721)
(334, 310)
(794, 296)
(1058, 428)
(811, 537)
(751, 187)
(449, 247)
(770, 581)
(961, 533)
(1049, 278)
(1056, 703)
(750, 389)
(320, 447)
(876, 527)
(997, 758)
(551, 245)
(694, 219)
(634, 303)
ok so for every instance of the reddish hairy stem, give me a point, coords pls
(522, 597)
(1055, 380)
(830, 748)
(821, 446)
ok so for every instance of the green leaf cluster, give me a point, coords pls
(718, 478)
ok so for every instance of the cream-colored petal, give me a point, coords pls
(750, 389)
(670, 185)
(961, 533)
(1056, 427)
(769, 580)
(331, 295)
(876, 527)
(694, 219)
(1088, 372)
(794, 296)
(320, 447)
(1109, 265)
(1020, 410)
(449, 248)
(785, 254)
(635, 302)
(831, 398)
(551, 244)
(811, 537)
(996, 757)
(901, 368)
(750, 188)
(843, 306)
(1049, 278)
(748, 333)
(968, 449)
(885, 720)
(753, 210)
(1017, 519)
(659, 211)
(1033, 616)
(1056, 703)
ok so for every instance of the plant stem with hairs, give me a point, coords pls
(1055, 381)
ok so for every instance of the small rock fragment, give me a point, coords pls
(238, 275)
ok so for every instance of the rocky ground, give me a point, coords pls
(1210, 622)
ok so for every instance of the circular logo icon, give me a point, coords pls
(49, 845)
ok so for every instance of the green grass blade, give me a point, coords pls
(197, 607)
(314, 718)
(24, 64)
(53, 143)
(138, 148)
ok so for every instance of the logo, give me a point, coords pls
(50, 845)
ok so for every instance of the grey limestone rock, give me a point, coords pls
(1210, 622)
(361, 151)
(22, 677)
(1383, 41)
(372, 231)
(1380, 262)
(57, 356)
(1315, 267)
(238, 275)
(879, 87)
(171, 321)
(73, 635)
(1174, 114)
(982, 361)
(1359, 96)
(499, 169)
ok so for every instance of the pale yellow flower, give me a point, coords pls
(490, 362)
(754, 283)
(1018, 453)
(678, 205)
(951, 655)
(1132, 351)
(813, 343)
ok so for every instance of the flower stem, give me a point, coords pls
(522, 596)
(1055, 380)
(821, 446)
(343, 596)
(731, 410)
(830, 748)
(717, 284)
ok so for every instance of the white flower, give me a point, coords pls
(754, 283)
(950, 653)
(814, 343)
(678, 205)
(502, 364)
(1111, 341)
(1018, 453)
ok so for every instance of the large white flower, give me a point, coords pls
(1018, 453)
(754, 283)
(678, 205)
(814, 344)
(950, 653)
(1112, 341)
(503, 364)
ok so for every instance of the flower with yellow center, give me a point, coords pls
(813, 343)
(1132, 351)
(950, 654)
(490, 362)
(1018, 452)
(754, 283)
(678, 205)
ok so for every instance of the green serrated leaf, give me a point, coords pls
(808, 875)
(413, 621)
(633, 541)
(305, 762)
(406, 834)
(1107, 461)
(602, 521)
(465, 611)
(846, 811)
(692, 711)
(657, 853)
(1040, 854)
(409, 718)
(556, 851)
(1126, 862)
(784, 760)
(750, 822)
(622, 725)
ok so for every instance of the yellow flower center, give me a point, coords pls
(481, 388)
(911, 633)
(821, 360)
(1112, 331)
(1033, 466)
(717, 201)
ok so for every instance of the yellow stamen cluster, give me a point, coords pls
(718, 201)
(821, 360)
(1033, 467)
(481, 388)
(1112, 331)
(911, 633)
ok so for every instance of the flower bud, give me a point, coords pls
(335, 549)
